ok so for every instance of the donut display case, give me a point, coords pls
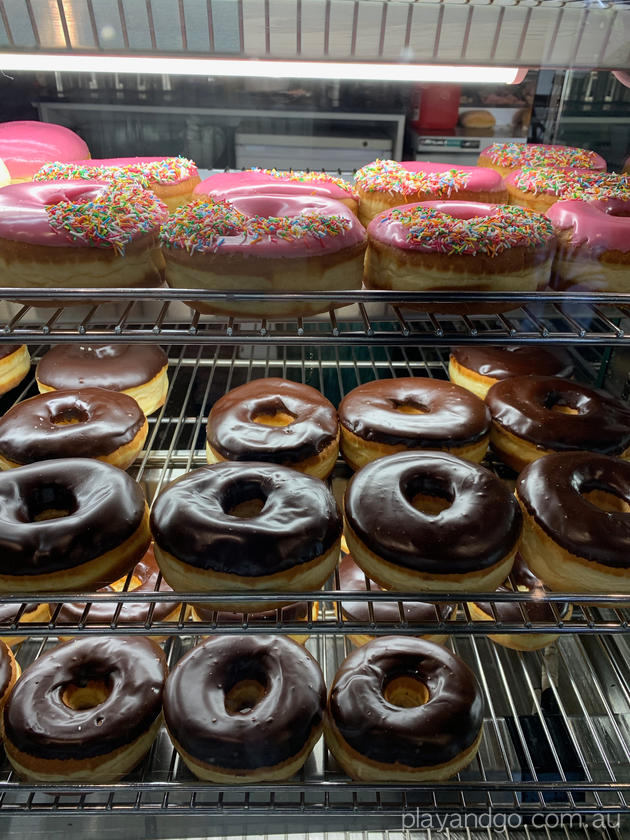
(546, 753)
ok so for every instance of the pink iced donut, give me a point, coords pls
(80, 234)
(507, 157)
(172, 179)
(26, 145)
(264, 243)
(5, 178)
(227, 185)
(386, 183)
(540, 188)
(593, 245)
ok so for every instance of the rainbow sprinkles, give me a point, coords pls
(523, 154)
(571, 183)
(390, 176)
(308, 178)
(165, 171)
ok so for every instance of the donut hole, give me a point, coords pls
(49, 502)
(69, 416)
(428, 495)
(410, 407)
(606, 501)
(406, 692)
(274, 418)
(244, 502)
(561, 403)
(86, 694)
(246, 689)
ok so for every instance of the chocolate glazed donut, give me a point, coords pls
(576, 511)
(535, 415)
(428, 521)
(246, 527)
(278, 421)
(393, 415)
(69, 524)
(86, 423)
(9, 672)
(245, 708)
(403, 710)
(87, 711)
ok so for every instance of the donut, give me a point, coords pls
(172, 179)
(144, 579)
(87, 711)
(299, 611)
(224, 186)
(540, 188)
(11, 614)
(79, 234)
(69, 524)
(5, 177)
(245, 709)
(522, 579)
(83, 423)
(138, 370)
(403, 710)
(249, 527)
(508, 157)
(276, 421)
(384, 184)
(458, 245)
(264, 243)
(576, 522)
(353, 579)
(478, 368)
(15, 363)
(26, 145)
(9, 673)
(411, 412)
(431, 522)
(593, 245)
(535, 415)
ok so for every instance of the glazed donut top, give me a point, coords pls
(263, 226)
(443, 412)
(116, 367)
(352, 579)
(571, 183)
(432, 733)
(69, 424)
(145, 571)
(39, 722)
(299, 520)
(435, 179)
(554, 491)
(515, 155)
(26, 145)
(225, 186)
(480, 527)
(100, 507)
(199, 715)
(503, 362)
(9, 349)
(146, 171)
(291, 612)
(79, 214)
(598, 225)
(237, 435)
(461, 227)
(530, 407)
(8, 613)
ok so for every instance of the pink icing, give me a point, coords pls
(26, 145)
(480, 178)
(116, 163)
(23, 214)
(385, 176)
(182, 225)
(592, 224)
(227, 185)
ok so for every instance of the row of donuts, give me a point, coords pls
(239, 709)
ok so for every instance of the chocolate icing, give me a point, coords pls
(551, 490)
(234, 434)
(117, 367)
(6, 667)
(298, 522)
(39, 723)
(8, 612)
(525, 580)
(352, 579)
(106, 508)
(433, 733)
(32, 431)
(9, 349)
(453, 415)
(503, 362)
(274, 730)
(480, 527)
(292, 612)
(523, 405)
(146, 570)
